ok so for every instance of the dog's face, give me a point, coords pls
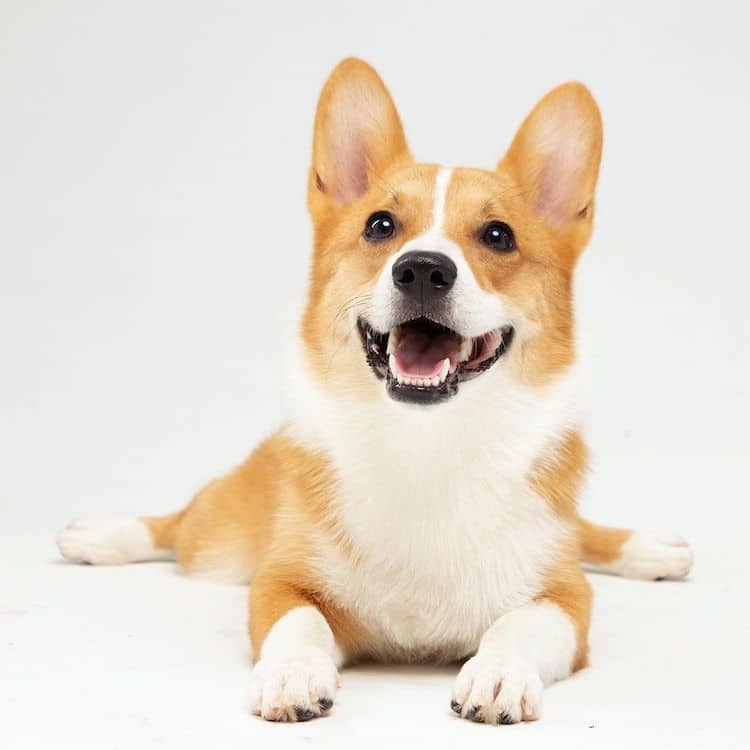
(425, 278)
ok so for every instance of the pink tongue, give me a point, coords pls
(420, 355)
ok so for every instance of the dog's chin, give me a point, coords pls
(424, 362)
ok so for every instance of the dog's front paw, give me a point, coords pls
(497, 693)
(293, 687)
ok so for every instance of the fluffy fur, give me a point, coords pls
(371, 528)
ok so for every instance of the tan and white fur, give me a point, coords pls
(373, 528)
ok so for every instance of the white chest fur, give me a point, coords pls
(448, 534)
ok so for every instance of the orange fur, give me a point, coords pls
(558, 476)
(568, 588)
(600, 544)
(163, 529)
(558, 479)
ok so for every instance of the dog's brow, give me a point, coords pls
(493, 205)
(520, 190)
(388, 188)
(392, 198)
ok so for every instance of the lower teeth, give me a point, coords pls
(432, 382)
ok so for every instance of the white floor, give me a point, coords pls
(142, 656)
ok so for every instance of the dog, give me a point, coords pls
(419, 503)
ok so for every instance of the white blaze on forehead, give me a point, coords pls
(442, 181)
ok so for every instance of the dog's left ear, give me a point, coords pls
(358, 134)
(555, 160)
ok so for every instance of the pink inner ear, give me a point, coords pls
(559, 187)
(553, 189)
(359, 115)
(349, 159)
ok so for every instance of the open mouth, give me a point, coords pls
(423, 361)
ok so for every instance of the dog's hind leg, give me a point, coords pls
(115, 542)
(220, 534)
(633, 554)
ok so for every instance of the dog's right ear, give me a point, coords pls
(358, 134)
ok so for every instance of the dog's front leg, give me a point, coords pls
(522, 652)
(295, 674)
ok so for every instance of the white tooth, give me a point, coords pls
(391, 341)
(443, 372)
(435, 381)
(392, 364)
(465, 350)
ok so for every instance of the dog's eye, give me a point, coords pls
(498, 236)
(380, 226)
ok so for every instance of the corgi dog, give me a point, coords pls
(419, 502)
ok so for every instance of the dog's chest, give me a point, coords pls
(428, 579)
(444, 543)
(444, 533)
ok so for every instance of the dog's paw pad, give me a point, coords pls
(296, 687)
(496, 693)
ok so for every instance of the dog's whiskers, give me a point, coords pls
(359, 301)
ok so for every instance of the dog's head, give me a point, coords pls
(424, 277)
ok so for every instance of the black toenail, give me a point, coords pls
(325, 704)
(456, 706)
(474, 714)
(304, 714)
(505, 718)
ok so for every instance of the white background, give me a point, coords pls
(153, 251)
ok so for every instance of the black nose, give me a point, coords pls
(424, 275)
